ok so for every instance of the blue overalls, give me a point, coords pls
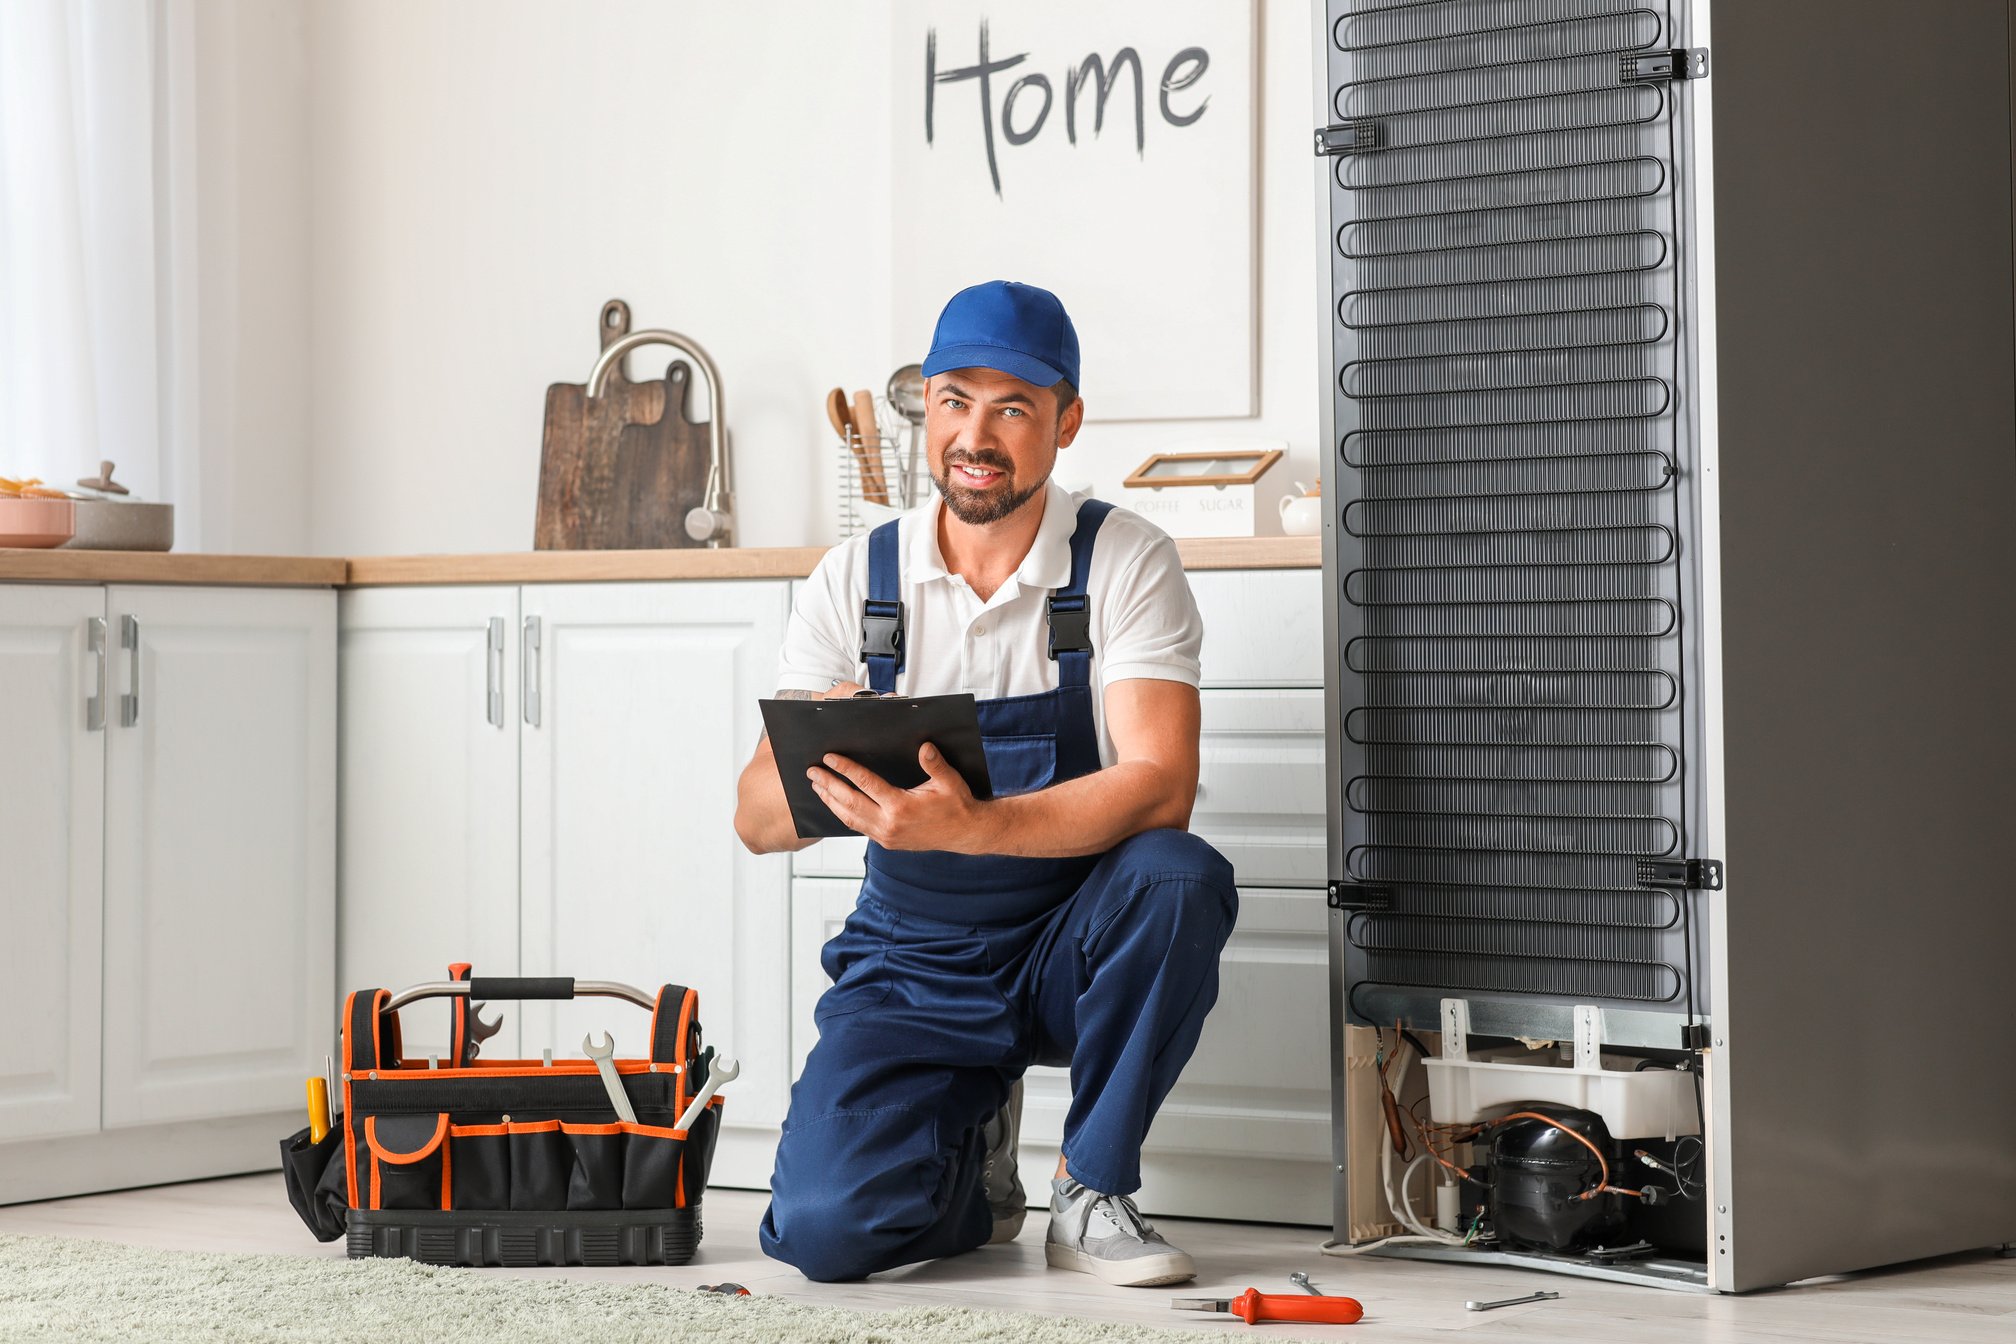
(957, 972)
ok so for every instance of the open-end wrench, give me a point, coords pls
(479, 1030)
(725, 1069)
(1511, 1301)
(605, 1064)
(1301, 1280)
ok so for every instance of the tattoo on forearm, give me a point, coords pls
(792, 695)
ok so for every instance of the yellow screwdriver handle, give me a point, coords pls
(318, 1110)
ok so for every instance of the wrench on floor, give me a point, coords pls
(1511, 1301)
(725, 1069)
(605, 1064)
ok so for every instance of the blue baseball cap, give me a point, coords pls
(1018, 329)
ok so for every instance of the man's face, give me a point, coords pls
(991, 440)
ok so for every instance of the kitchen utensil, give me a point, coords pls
(1254, 1306)
(623, 465)
(874, 488)
(604, 1056)
(1510, 1301)
(842, 416)
(37, 524)
(726, 1069)
(906, 395)
(1301, 1280)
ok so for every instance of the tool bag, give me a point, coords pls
(509, 1161)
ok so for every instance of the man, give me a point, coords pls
(1070, 919)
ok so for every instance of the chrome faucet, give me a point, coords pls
(713, 520)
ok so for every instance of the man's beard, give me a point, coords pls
(978, 507)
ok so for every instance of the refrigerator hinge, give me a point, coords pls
(1683, 874)
(1351, 137)
(1651, 67)
(1359, 896)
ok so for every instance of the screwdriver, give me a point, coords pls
(1254, 1306)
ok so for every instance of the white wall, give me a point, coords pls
(484, 175)
(249, 323)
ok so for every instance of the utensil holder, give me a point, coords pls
(907, 484)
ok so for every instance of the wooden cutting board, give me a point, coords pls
(619, 472)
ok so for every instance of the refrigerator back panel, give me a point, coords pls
(1511, 446)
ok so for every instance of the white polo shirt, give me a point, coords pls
(1144, 620)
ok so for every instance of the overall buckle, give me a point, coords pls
(882, 631)
(1070, 626)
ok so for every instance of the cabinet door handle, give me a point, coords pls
(493, 675)
(94, 704)
(129, 639)
(528, 670)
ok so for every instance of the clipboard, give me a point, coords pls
(882, 732)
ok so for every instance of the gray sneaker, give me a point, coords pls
(1106, 1236)
(1006, 1199)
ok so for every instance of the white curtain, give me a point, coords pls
(97, 246)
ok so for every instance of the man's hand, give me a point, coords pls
(762, 816)
(941, 813)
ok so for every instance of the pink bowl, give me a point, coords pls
(37, 523)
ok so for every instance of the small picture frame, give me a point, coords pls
(1232, 466)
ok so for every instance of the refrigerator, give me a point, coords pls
(1669, 418)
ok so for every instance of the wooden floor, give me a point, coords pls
(1957, 1300)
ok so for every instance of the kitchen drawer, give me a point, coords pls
(842, 856)
(1260, 797)
(1262, 627)
(1259, 791)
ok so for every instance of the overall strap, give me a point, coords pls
(882, 613)
(1070, 610)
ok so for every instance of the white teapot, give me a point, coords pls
(1302, 512)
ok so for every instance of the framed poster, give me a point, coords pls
(1102, 151)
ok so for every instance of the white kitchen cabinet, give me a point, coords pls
(52, 757)
(1260, 784)
(1245, 1133)
(219, 850)
(637, 713)
(428, 795)
(1262, 627)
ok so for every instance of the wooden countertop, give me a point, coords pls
(271, 571)
(777, 562)
(793, 562)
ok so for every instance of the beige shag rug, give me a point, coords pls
(57, 1288)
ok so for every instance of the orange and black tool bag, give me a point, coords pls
(509, 1161)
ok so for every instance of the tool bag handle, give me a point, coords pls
(490, 988)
